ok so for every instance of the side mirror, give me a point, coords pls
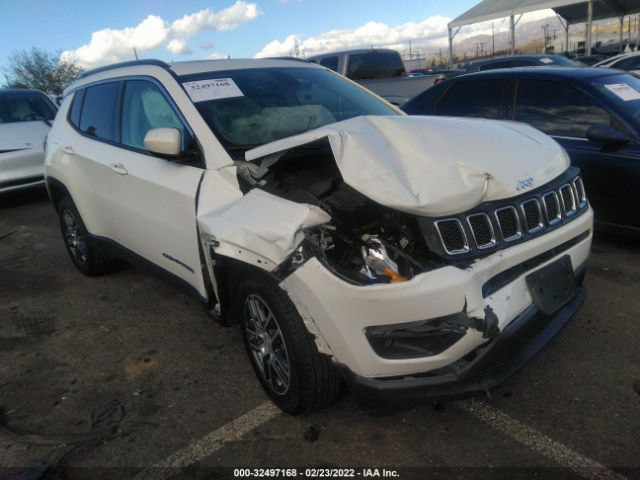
(165, 142)
(608, 135)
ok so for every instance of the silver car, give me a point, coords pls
(25, 119)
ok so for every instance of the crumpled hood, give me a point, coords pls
(434, 166)
(21, 135)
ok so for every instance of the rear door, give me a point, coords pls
(611, 175)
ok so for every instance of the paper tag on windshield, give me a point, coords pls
(213, 89)
(546, 60)
(624, 91)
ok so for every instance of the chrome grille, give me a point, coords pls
(452, 236)
(581, 195)
(509, 223)
(568, 200)
(482, 230)
(532, 215)
(551, 207)
(514, 222)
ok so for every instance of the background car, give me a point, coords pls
(590, 60)
(512, 61)
(593, 113)
(25, 119)
(625, 61)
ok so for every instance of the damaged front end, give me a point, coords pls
(400, 264)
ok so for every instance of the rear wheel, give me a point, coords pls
(87, 259)
(295, 375)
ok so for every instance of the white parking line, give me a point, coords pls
(539, 442)
(211, 443)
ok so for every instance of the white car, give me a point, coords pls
(625, 61)
(412, 257)
(25, 119)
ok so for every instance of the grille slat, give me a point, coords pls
(551, 207)
(452, 236)
(532, 215)
(482, 230)
(509, 223)
(568, 200)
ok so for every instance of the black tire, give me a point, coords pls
(87, 259)
(313, 380)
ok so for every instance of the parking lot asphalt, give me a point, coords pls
(108, 377)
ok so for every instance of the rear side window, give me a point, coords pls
(330, 62)
(557, 108)
(144, 107)
(375, 65)
(98, 117)
(477, 98)
(76, 106)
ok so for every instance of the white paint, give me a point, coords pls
(211, 443)
(212, 89)
(260, 224)
(539, 442)
(434, 165)
(341, 311)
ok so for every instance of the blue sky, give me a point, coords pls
(68, 25)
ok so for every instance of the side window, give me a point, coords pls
(144, 107)
(98, 117)
(477, 98)
(631, 63)
(330, 62)
(557, 108)
(76, 106)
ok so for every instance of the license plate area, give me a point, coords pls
(552, 286)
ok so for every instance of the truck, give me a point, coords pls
(380, 70)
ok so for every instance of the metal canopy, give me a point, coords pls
(573, 11)
(493, 9)
(577, 13)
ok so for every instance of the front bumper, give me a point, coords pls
(486, 368)
(338, 314)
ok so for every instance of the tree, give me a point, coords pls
(37, 68)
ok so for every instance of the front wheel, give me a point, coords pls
(295, 375)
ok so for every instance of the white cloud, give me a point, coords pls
(217, 56)
(370, 34)
(206, 45)
(229, 18)
(177, 46)
(430, 32)
(112, 45)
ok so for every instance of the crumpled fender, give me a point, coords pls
(260, 229)
(434, 166)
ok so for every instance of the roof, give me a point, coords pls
(574, 11)
(581, 73)
(201, 66)
(355, 51)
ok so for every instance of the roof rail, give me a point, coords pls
(132, 63)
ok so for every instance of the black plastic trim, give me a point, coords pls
(21, 181)
(507, 276)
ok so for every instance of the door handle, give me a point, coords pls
(118, 169)
(69, 150)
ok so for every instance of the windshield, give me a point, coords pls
(25, 107)
(247, 108)
(624, 92)
(375, 65)
(558, 61)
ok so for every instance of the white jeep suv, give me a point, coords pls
(410, 257)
